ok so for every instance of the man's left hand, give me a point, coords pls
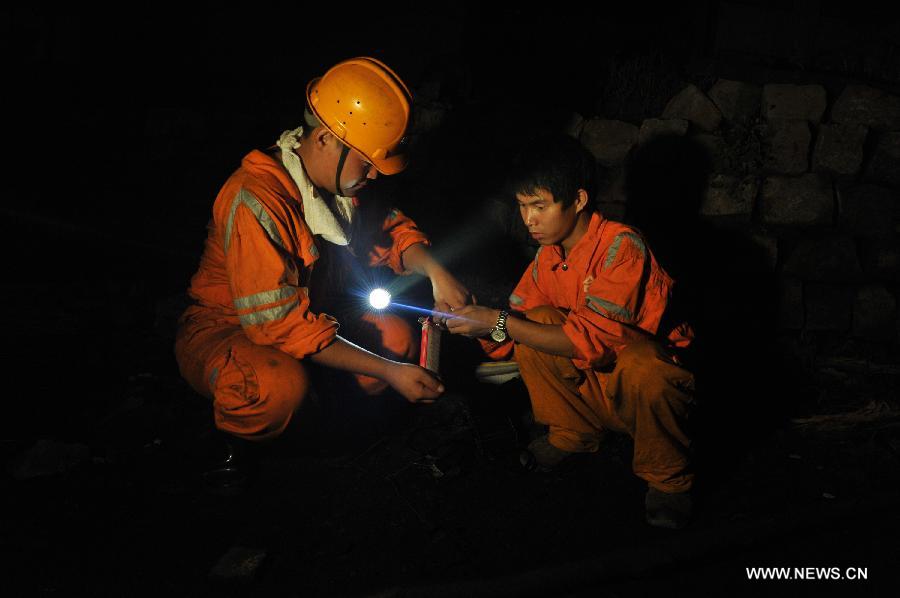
(473, 321)
(449, 293)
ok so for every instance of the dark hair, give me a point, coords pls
(557, 163)
(310, 122)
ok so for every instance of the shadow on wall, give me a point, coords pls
(726, 289)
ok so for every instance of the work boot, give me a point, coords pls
(542, 456)
(231, 465)
(671, 511)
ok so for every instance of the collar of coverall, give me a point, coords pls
(321, 220)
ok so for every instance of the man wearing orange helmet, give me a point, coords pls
(285, 231)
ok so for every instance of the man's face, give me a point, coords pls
(547, 221)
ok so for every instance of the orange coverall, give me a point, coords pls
(609, 294)
(243, 341)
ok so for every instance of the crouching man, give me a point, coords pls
(287, 236)
(588, 328)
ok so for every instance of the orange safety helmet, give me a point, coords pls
(366, 105)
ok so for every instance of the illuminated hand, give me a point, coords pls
(417, 385)
(449, 292)
(473, 321)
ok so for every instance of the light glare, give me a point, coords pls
(379, 298)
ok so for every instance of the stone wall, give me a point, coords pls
(812, 179)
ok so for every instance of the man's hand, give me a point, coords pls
(473, 321)
(449, 293)
(416, 384)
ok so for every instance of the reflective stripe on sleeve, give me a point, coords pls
(256, 208)
(515, 300)
(617, 243)
(534, 269)
(608, 308)
(268, 315)
(264, 297)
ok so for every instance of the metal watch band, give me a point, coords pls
(501, 320)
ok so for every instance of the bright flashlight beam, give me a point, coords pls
(379, 299)
(432, 312)
(422, 310)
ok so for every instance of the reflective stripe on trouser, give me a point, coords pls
(646, 396)
(256, 389)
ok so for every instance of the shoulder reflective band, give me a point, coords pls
(617, 242)
(608, 309)
(259, 212)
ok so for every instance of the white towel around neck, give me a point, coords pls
(319, 217)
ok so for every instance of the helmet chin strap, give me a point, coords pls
(340, 167)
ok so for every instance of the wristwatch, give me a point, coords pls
(498, 332)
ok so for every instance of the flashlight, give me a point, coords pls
(430, 349)
(379, 298)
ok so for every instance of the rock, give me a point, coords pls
(790, 304)
(884, 167)
(867, 211)
(240, 564)
(874, 313)
(831, 258)
(49, 457)
(795, 102)
(612, 186)
(653, 127)
(747, 143)
(839, 149)
(880, 258)
(574, 126)
(609, 140)
(716, 149)
(768, 245)
(867, 106)
(737, 101)
(730, 197)
(786, 146)
(829, 307)
(803, 202)
(692, 104)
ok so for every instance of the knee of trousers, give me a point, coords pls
(525, 355)
(638, 357)
(644, 366)
(534, 362)
(397, 339)
(257, 391)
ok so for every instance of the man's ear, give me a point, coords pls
(581, 200)
(321, 137)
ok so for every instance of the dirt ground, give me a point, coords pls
(104, 497)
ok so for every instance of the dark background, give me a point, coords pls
(122, 123)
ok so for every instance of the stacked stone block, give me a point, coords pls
(814, 181)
